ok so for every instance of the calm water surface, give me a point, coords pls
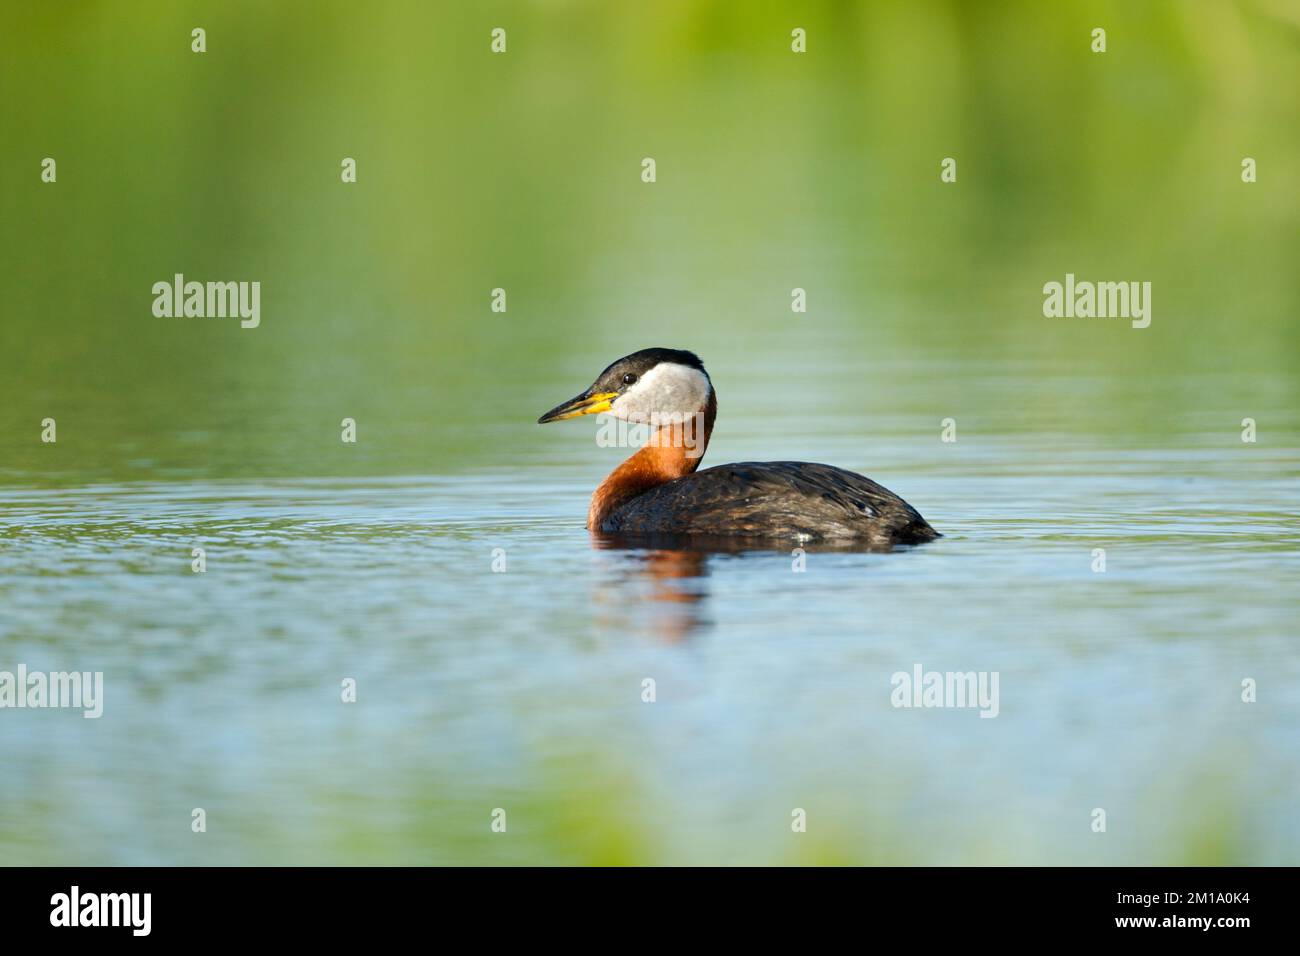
(522, 690)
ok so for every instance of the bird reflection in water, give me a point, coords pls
(665, 576)
(665, 581)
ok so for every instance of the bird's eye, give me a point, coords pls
(629, 378)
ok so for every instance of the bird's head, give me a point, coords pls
(654, 386)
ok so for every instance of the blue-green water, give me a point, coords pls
(522, 689)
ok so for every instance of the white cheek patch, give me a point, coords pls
(667, 394)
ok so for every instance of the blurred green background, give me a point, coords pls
(522, 171)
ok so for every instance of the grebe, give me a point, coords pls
(658, 490)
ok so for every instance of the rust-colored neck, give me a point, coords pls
(664, 458)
